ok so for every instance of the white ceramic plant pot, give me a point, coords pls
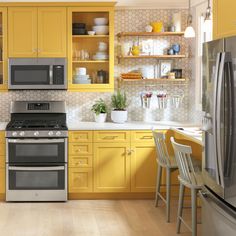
(119, 116)
(101, 118)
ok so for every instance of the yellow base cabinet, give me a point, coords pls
(143, 167)
(2, 164)
(80, 180)
(111, 167)
(37, 32)
(224, 18)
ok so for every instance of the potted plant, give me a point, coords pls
(119, 105)
(100, 111)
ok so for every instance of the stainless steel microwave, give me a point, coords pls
(37, 73)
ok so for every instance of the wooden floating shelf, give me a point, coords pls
(153, 56)
(124, 34)
(154, 80)
(100, 61)
(90, 36)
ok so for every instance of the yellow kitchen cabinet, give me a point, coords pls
(37, 32)
(2, 164)
(52, 32)
(3, 49)
(2, 183)
(89, 43)
(22, 32)
(143, 167)
(82, 136)
(111, 167)
(224, 18)
(80, 180)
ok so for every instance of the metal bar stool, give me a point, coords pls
(164, 161)
(187, 178)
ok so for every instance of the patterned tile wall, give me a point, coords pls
(79, 104)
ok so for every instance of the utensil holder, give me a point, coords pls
(162, 102)
(145, 101)
(176, 101)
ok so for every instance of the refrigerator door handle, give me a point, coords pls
(214, 122)
(230, 114)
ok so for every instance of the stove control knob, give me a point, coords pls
(58, 133)
(50, 133)
(22, 133)
(14, 134)
(36, 133)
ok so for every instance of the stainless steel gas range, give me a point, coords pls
(36, 161)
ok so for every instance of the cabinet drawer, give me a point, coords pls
(2, 161)
(112, 136)
(80, 149)
(142, 136)
(81, 136)
(2, 137)
(80, 161)
(80, 180)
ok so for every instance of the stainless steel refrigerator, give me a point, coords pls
(219, 125)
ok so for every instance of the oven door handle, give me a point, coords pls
(36, 140)
(36, 168)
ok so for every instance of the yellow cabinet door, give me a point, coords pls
(224, 18)
(2, 181)
(111, 167)
(80, 180)
(143, 167)
(22, 32)
(52, 32)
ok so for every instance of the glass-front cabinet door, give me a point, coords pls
(91, 49)
(3, 51)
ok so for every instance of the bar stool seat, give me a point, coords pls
(164, 160)
(189, 178)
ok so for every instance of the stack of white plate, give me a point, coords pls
(81, 77)
(101, 26)
(101, 54)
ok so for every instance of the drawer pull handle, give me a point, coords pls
(147, 137)
(110, 137)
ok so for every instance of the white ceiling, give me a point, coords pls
(128, 3)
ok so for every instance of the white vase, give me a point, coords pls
(100, 118)
(119, 116)
(177, 21)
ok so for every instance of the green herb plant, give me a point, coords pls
(99, 107)
(119, 101)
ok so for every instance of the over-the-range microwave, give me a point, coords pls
(37, 73)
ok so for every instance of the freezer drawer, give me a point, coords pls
(217, 220)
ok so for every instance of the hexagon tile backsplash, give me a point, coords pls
(79, 104)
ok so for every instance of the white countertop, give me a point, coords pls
(3, 125)
(127, 126)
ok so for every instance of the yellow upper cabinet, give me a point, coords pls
(83, 49)
(224, 23)
(22, 31)
(3, 49)
(52, 32)
(37, 32)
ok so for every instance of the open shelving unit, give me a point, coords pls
(148, 34)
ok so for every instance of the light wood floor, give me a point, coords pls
(88, 218)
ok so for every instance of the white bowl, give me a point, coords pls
(91, 32)
(101, 21)
(101, 29)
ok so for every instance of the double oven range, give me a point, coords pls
(36, 157)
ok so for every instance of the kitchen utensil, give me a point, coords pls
(146, 99)
(162, 99)
(148, 28)
(100, 21)
(79, 25)
(177, 100)
(91, 32)
(101, 29)
(178, 73)
(177, 21)
(157, 26)
(176, 48)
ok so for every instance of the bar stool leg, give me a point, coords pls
(158, 184)
(194, 211)
(168, 180)
(180, 206)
